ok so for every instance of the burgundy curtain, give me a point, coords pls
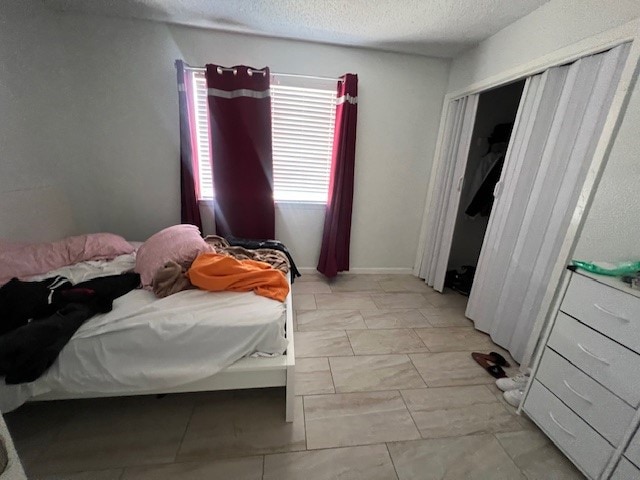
(189, 210)
(240, 111)
(334, 253)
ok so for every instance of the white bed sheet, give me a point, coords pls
(146, 343)
(84, 271)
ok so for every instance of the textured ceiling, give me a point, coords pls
(440, 28)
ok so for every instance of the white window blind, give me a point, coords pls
(201, 113)
(303, 120)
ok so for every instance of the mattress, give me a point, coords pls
(145, 343)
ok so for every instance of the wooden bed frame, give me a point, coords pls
(248, 372)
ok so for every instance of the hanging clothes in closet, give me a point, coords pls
(487, 175)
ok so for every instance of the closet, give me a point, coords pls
(510, 220)
(494, 120)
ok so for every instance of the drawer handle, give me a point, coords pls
(566, 384)
(600, 359)
(610, 313)
(559, 425)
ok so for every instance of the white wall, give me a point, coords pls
(100, 95)
(554, 25)
(612, 228)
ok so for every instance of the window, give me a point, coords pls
(303, 115)
(201, 112)
(302, 122)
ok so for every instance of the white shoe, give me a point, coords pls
(514, 397)
(513, 383)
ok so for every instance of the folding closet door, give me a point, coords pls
(460, 120)
(561, 116)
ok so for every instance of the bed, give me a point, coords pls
(187, 342)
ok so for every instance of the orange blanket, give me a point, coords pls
(216, 272)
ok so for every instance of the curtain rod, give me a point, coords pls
(293, 75)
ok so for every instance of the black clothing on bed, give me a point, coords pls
(111, 287)
(21, 301)
(27, 352)
(273, 244)
(48, 319)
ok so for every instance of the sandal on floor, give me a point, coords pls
(499, 359)
(496, 371)
(483, 360)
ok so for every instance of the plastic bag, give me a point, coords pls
(611, 269)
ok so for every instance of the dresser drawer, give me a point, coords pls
(576, 439)
(625, 471)
(606, 309)
(633, 449)
(609, 363)
(596, 405)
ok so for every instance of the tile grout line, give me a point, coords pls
(304, 423)
(353, 352)
(417, 370)
(380, 442)
(515, 417)
(184, 434)
(383, 328)
(333, 382)
(164, 464)
(492, 392)
(409, 410)
(513, 460)
(500, 443)
(264, 459)
(332, 328)
(195, 461)
(421, 340)
(400, 390)
(411, 352)
(371, 391)
(386, 444)
(322, 449)
(364, 319)
(513, 414)
(315, 301)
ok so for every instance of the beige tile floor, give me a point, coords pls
(386, 390)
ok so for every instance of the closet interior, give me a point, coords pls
(493, 124)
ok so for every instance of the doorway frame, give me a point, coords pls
(626, 33)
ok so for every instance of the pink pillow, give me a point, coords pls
(180, 243)
(105, 246)
(25, 260)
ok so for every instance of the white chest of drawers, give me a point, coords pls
(585, 387)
